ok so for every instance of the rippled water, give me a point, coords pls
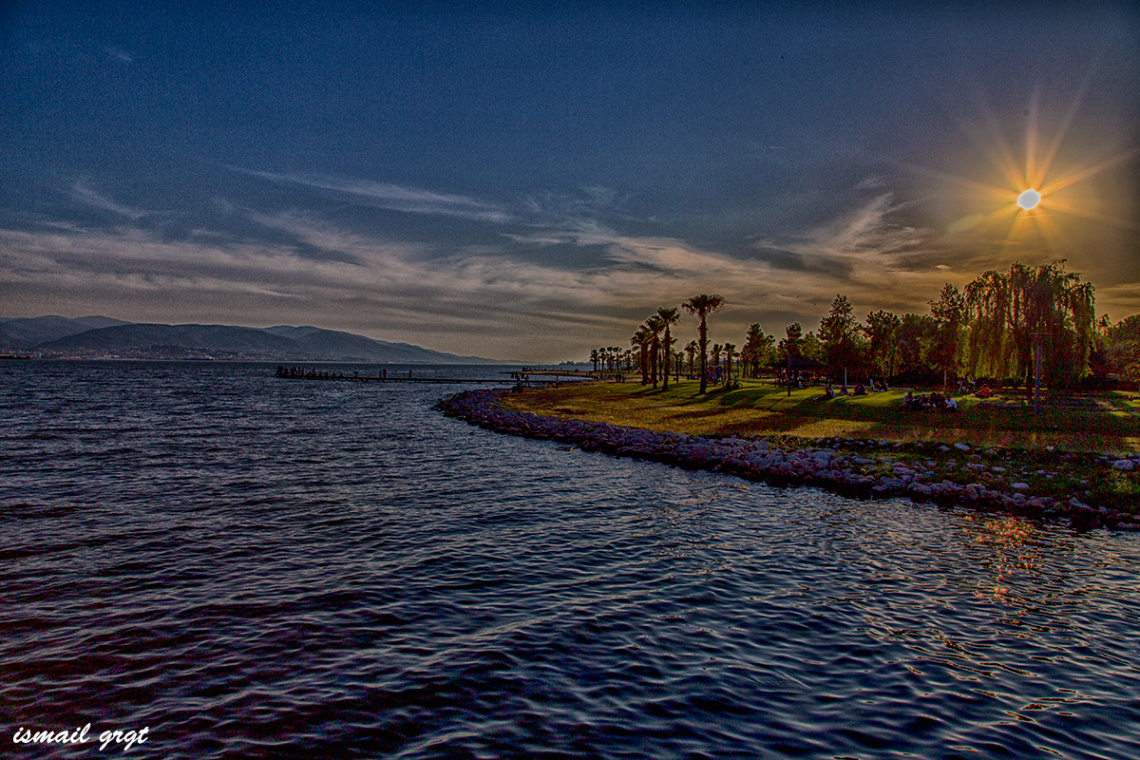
(254, 567)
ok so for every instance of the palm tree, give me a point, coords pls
(691, 352)
(702, 306)
(729, 355)
(641, 340)
(668, 317)
(654, 325)
(594, 359)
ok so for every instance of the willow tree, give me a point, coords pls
(702, 306)
(1026, 308)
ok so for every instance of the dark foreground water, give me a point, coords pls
(253, 567)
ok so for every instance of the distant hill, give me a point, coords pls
(94, 337)
(21, 334)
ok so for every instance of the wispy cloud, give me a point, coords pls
(87, 195)
(118, 54)
(393, 197)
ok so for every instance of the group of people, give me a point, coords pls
(877, 386)
(311, 374)
(928, 401)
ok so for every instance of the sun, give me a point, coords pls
(1028, 197)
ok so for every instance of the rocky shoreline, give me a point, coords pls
(861, 469)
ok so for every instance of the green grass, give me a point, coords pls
(1056, 451)
(1102, 422)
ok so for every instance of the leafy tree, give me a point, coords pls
(1122, 349)
(949, 313)
(916, 334)
(702, 306)
(813, 348)
(758, 351)
(882, 330)
(793, 343)
(839, 335)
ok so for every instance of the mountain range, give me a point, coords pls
(104, 337)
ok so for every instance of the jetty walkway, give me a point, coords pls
(518, 379)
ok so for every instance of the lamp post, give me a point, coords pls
(1037, 371)
(789, 377)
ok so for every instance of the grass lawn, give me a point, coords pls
(1056, 453)
(1103, 422)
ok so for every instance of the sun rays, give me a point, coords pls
(1033, 192)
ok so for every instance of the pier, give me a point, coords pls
(522, 379)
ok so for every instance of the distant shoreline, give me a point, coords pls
(856, 469)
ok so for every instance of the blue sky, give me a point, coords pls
(531, 180)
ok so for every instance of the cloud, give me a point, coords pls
(81, 192)
(544, 279)
(872, 182)
(490, 299)
(118, 54)
(394, 197)
(1118, 301)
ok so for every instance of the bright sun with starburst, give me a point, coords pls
(1035, 196)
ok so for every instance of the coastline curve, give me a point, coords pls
(761, 460)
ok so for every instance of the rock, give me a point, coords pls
(833, 470)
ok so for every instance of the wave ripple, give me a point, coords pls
(255, 568)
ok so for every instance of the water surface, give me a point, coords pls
(254, 567)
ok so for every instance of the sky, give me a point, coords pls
(531, 180)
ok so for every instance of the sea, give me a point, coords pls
(201, 560)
